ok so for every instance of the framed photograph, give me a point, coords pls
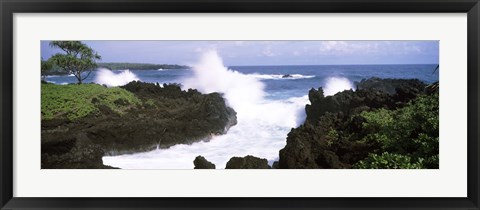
(239, 105)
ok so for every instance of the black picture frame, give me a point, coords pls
(10, 7)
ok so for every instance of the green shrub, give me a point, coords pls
(76, 101)
(389, 161)
(411, 131)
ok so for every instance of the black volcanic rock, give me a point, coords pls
(346, 102)
(247, 162)
(167, 116)
(329, 137)
(201, 163)
(275, 165)
(390, 86)
(371, 93)
(72, 153)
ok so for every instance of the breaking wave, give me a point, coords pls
(111, 79)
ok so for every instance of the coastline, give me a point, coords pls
(388, 94)
(158, 118)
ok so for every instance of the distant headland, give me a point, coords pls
(140, 66)
(122, 66)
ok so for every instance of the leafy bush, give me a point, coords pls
(411, 131)
(390, 161)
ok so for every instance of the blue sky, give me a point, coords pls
(265, 52)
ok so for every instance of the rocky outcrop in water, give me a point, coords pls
(247, 162)
(167, 116)
(333, 135)
(201, 163)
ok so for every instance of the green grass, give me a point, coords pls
(77, 101)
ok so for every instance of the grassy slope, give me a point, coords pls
(77, 101)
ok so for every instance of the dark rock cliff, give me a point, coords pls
(330, 136)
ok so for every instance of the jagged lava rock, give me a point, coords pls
(318, 144)
(201, 163)
(391, 86)
(247, 162)
(70, 153)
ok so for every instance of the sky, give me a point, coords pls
(250, 53)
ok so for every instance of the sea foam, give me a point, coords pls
(337, 84)
(109, 78)
(261, 129)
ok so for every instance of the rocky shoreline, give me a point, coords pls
(384, 123)
(340, 130)
(345, 130)
(167, 116)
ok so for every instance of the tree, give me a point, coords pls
(46, 66)
(79, 58)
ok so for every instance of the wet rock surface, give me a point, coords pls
(247, 162)
(201, 163)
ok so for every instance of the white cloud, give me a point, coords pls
(412, 49)
(239, 43)
(267, 51)
(367, 48)
(335, 47)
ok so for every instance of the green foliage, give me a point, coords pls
(149, 103)
(331, 137)
(78, 58)
(389, 161)
(46, 66)
(77, 101)
(411, 131)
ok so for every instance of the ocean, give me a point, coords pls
(269, 100)
(303, 77)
